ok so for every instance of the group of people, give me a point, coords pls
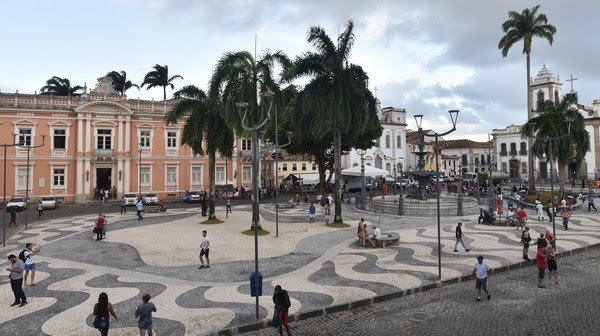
(326, 203)
(363, 235)
(19, 270)
(103, 309)
(101, 226)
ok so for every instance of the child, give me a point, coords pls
(327, 213)
(311, 213)
(144, 312)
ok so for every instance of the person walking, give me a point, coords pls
(28, 253)
(204, 249)
(122, 205)
(311, 213)
(550, 238)
(542, 263)
(203, 206)
(540, 211)
(139, 207)
(591, 203)
(541, 242)
(13, 216)
(552, 267)
(481, 273)
(105, 228)
(565, 217)
(525, 240)
(228, 209)
(16, 280)
(521, 218)
(327, 213)
(144, 313)
(100, 221)
(459, 238)
(281, 300)
(102, 309)
(40, 209)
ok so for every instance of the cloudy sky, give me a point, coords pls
(425, 56)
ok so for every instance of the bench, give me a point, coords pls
(387, 238)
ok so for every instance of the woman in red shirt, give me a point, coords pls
(100, 221)
(542, 263)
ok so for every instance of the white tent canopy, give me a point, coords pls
(369, 171)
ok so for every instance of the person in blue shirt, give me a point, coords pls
(311, 213)
(591, 203)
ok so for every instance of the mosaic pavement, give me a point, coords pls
(318, 265)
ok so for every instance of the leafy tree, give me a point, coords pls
(239, 77)
(525, 26)
(552, 121)
(160, 77)
(120, 82)
(60, 87)
(337, 99)
(203, 124)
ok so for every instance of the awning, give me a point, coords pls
(313, 178)
(369, 171)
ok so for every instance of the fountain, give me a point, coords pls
(423, 189)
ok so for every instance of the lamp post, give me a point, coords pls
(401, 195)
(419, 120)
(277, 147)
(227, 182)
(4, 193)
(243, 108)
(140, 171)
(29, 147)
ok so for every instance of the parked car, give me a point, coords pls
(130, 198)
(49, 202)
(190, 197)
(18, 203)
(150, 199)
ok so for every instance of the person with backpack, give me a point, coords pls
(525, 239)
(281, 299)
(13, 216)
(40, 209)
(144, 313)
(16, 280)
(29, 264)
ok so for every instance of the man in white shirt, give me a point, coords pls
(481, 273)
(204, 249)
(376, 235)
(139, 207)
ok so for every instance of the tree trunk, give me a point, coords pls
(530, 170)
(321, 167)
(211, 182)
(561, 180)
(337, 164)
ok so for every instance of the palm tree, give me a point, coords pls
(551, 121)
(337, 98)
(160, 77)
(60, 87)
(120, 82)
(239, 77)
(525, 26)
(203, 124)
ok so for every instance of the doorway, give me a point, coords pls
(513, 166)
(103, 178)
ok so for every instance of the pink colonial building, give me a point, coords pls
(100, 140)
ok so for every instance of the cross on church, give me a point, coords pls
(571, 79)
(375, 91)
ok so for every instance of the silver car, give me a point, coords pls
(49, 202)
(130, 198)
(150, 198)
(18, 203)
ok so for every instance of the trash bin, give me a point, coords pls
(253, 284)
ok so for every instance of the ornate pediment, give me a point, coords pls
(104, 87)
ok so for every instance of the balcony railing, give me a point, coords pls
(503, 153)
(104, 153)
(523, 152)
(513, 152)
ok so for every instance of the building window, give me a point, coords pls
(398, 141)
(464, 160)
(524, 167)
(104, 139)
(246, 144)
(388, 167)
(523, 150)
(220, 175)
(503, 149)
(171, 178)
(387, 141)
(247, 174)
(24, 136)
(58, 177)
(513, 148)
(284, 166)
(294, 166)
(171, 139)
(304, 166)
(60, 139)
(556, 97)
(22, 178)
(145, 139)
(196, 175)
(504, 167)
(378, 162)
(145, 176)
(314, 166)
(540, 96)
(399, 168)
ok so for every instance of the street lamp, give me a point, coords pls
(362, 153)
(243, 109)
(140, 171)
(277, 147)
(4, 193)
(419, 120)
(29, 147)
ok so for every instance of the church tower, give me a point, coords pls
(545, 86)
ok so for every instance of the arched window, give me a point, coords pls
(388, 167)
(556, 97)
(387, 141)
(378, 162)
(355, 165)
(398, 141)
(399, 168)
(540, 96)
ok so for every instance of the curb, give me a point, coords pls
(262, 324)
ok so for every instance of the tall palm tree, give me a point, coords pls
(239, 77)
(60, 87)
(525, 26)
(160, 77)
(204, 124)
(120, 81)
(551, 122)
(337, 98)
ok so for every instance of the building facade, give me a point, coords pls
(103, 140)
